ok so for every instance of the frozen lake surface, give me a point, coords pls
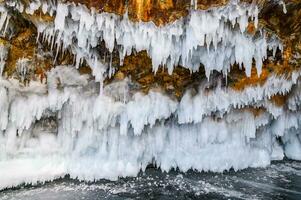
(282, 180)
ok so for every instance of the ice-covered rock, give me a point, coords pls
(215, 38)
(75, 124)
(112, 137)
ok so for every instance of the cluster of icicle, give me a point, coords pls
(66, 127)
(215, 38)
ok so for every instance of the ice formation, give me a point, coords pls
(215, 38)
(4, 19)
(3, 55)
(68, 126)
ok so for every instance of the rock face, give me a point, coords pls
(100, 89)
(159, 12)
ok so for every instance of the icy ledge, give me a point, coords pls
(66, 128)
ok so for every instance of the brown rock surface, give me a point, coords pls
(158, 11)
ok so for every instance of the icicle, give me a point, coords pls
(194, 3)
(23, 66)
(111, 71)
(6, 25)
(3, 56)
(284, 6)
(3, 18)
